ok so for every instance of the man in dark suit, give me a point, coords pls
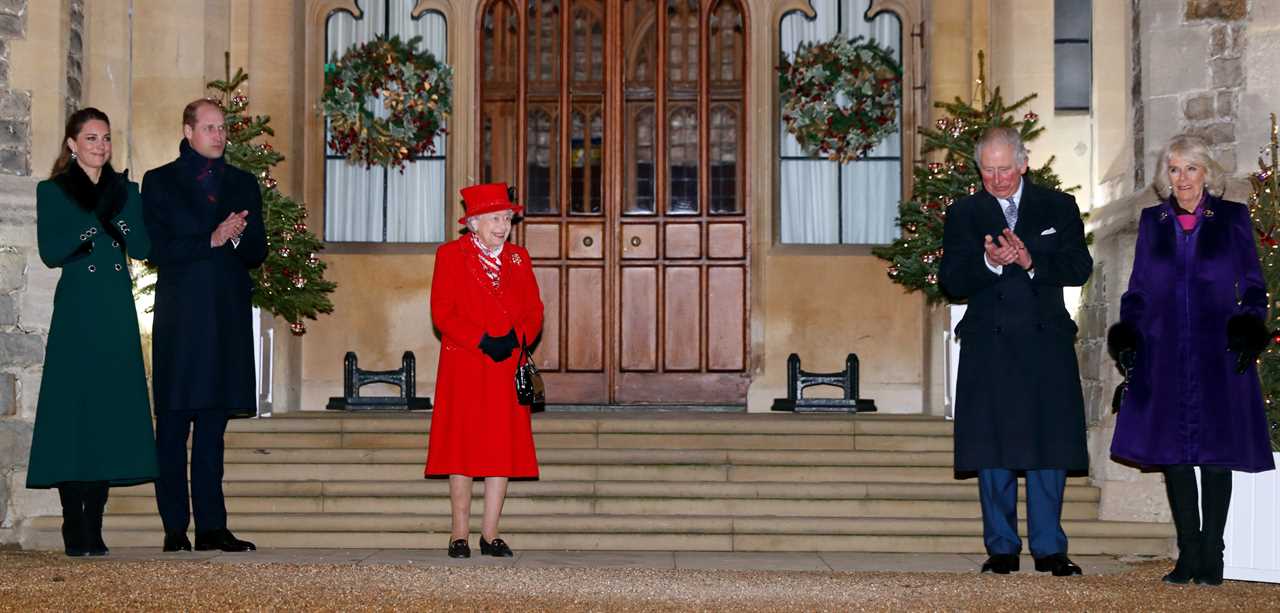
(205, 218)
(1010, 249)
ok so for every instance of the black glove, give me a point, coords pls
(1247, 337)
(111, 199)
(499, 349)
(1123, 339)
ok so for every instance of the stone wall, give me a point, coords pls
(26, 286)
(15, 106)
(75, 56)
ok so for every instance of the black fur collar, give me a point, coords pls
(86, 194)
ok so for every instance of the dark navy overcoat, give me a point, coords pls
(202, 347)
(1018, 400)
(1186, 404)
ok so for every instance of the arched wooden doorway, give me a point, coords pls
(638, 225)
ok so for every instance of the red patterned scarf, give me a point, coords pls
(490, 261)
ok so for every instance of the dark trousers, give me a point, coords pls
(998, 493)
(172, 429)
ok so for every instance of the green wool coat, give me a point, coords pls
(93, 418)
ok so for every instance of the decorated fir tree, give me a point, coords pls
(290, 283)
(1264, 206)
(914, 258)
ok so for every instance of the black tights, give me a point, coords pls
(83, 503)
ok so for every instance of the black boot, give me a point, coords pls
(1215, 499)
(73, 541)
(1180, 485)
(95, 503)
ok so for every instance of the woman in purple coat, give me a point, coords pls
(1191, 328)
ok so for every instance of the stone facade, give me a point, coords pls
(15, 106)
(75, 56)
(24, 282)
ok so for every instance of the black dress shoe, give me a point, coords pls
(221, 540)
(497, 548)
(176, 541)
(1058, 564)
(458, 548)
(1001, 564)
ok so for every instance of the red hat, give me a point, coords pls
(488, 198)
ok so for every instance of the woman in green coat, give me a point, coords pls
(93, 418)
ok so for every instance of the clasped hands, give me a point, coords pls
(500, 348)
(1006, 248)
(230, 228)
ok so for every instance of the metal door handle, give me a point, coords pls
(635, 241)
(586, 241)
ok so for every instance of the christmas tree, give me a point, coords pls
(914, 258)
(290, 283)
(1264, 206)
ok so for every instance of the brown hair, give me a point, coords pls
(75, 123)
(189, 112)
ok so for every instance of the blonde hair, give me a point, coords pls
(1196, 150)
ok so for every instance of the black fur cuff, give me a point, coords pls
(1247, 334)
(1122, 337)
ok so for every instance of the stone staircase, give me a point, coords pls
(636, 480)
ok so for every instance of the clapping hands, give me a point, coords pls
(229, 229)
(1006, 248)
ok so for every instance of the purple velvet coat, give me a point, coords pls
(1185, 403)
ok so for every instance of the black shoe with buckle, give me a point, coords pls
(1058, 564)
(1001, 563)
(496, 548)
(458, 548)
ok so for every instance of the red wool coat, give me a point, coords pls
(477, 428)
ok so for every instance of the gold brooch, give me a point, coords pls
(1164, 215)
(515, 258)
(1208, 212)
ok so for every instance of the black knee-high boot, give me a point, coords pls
(95, 503)
(73, 541)
(1215, 496)
(1180, 485)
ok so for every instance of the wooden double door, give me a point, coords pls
(622, 121)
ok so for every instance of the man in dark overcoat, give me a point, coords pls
(205, 217)
(1010, 249)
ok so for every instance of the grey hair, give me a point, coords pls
(1195, 149)
(1002, 135)
(470, 223)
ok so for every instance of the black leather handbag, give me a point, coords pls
(530, 391)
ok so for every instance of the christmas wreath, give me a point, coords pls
(840, 98)
(414, 88)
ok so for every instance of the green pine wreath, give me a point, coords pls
(840, 98)
(414, 88)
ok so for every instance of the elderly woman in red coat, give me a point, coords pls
(485, 303)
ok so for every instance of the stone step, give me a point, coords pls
(602, 472)
(962, 491)
(546, 457)
(621, 532)
(613, 423)
(551, 440)
(607, 505)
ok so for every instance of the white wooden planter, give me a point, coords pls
(1253, 527)
(954, 313)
